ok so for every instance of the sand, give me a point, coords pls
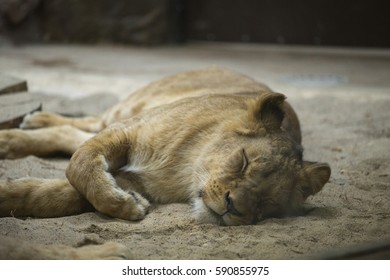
(342, 99)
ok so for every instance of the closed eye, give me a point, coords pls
(245, 162)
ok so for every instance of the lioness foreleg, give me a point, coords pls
(91, 171)
(16, 143)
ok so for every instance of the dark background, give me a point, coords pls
(357, 23)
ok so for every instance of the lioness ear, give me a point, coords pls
(267, 110)
(313, 177)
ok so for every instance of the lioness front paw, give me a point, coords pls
(130, 206)
(142, 206)
(39, 120)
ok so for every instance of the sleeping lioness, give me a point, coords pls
(214, 138)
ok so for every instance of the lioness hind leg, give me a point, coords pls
(16, 143)
(47, 119)
(11, 248)
(40, 198)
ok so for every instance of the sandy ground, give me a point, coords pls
(342, 97)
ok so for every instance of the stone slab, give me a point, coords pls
(15, 101)
(10, 84)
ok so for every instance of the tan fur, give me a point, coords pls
(214, 138)
(11, 248)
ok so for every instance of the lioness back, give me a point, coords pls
(212, 80)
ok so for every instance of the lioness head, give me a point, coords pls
(255, 170)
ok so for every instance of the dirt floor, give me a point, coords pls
(342, 97)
